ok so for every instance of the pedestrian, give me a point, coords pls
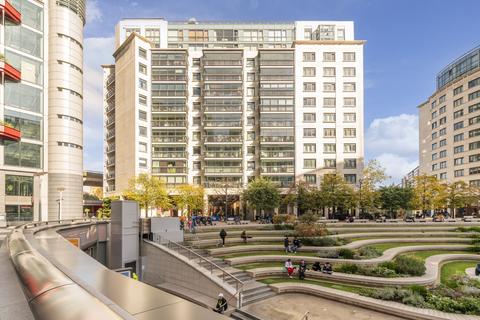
(302, 268)
(327, 268)
(296, 244)
(316, 266)
(244, 236)
(223, 235)
(286, 243)
(222, 305)
(289, 267)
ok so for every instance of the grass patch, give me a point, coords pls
(333, 285)
(249, 266)
(455, 268)
(267, 253)
(425, 254)
(385, 246)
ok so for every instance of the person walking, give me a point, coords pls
(296, 244)
(289, 267)
(286, 243)
(302, 268)
(222, 305)
(223, 235)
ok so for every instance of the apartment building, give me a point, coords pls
(41, 157)
(450, 123)
(220, 103)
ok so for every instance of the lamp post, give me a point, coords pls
(60, 190)
(38, 175)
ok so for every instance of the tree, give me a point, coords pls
(428, 193)
(89, 196)
(460, 195)
(394, 198)
(262, 194)
(106, 210)
(336, 193)
(148, 191)
(189, 197)
(367, 197)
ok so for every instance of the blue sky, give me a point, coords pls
(408, 42)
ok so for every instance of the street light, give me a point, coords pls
(60, 190)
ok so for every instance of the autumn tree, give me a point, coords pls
(367, 196)
(262, 194)
(428, 193)
(460, 195)
(148, 191)
(189, 197)
(394, 198)
(336, 193)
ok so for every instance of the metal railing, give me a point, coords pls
(211, 266)
(305, 316)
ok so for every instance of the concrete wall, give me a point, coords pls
(161, 266)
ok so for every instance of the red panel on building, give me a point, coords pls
(10, 12)
(9, 133)
(9, 71)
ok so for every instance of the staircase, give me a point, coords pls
(243, 315)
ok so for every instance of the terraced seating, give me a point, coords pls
(386, 256)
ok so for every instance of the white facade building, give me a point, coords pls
(220, 103)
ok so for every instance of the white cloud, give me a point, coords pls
(394, 142)
(97, 51)
(93, 11)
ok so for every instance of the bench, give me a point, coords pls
(468, 218)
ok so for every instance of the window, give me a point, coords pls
(29, 125)
(330, 163)
(329, 132)
(329, 56)
(458, 102)
(441, 99)
(153, 35)
(475, 183)
(196, 62)
(457, 90)
(18, 185)
(19, 213)
(474, 170)
(434, 135)
(349, 102)
(309, 72)
(329, 117)
(434, 104)
(309, 117)
(309, 163)
(473, 83)
(458, 173)
(251, 62)
(197, 151)
(309, 148)
(442, 132)
(328, 72)
(142, 84)
(251, 121)
(309, 133)
(309, 87)
(434, 156)
(474, 107)
(251, 135)
(309, 56)
(474, 120)
(434, 166)
(142, 68)
(349, 132)
(309, 102)
(329, 148)
(458, 137)
(443, 164)
(251, 165)
(458, 125)
(474, 95)
(251, 151)
(307, 33)
(458, 114)
(197, 121)
(251, 76)
(250, 106)
(197, 76)
(196, 136)
(310, 178)
(442, 110)
(349, 56)
(349, 147)
(142, 131)
(196, 106)
(474, 145)
(142, 115)
(434, 146)
(443, 176)
(349, 72)
(350, 178)
(329, 102)
(434, 125)
(349, 117)
(142, 53)
(22, 154)
(349, 86)
(142, 147)
(434, 114)
(197, 165)
(197, 91)
(457, 161)
(442, 120)
(443, 143)
(142, 99)
(142, 162)
(250, 91)
(473, 158)
(328, 86)
(457, 149)
(474, 133)
(443, 153)
(350, 163)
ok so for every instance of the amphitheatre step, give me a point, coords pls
(258, 290)
(258, 296)
(243, 315)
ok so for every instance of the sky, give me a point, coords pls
(408, 43)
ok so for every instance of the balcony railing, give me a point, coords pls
(169, 63)
(276, 123)
(276, 108)
(277, 154)
(169, 109)
(276, 139)
(222, 62)
(222, 93)
(221, 184)
(276, 78)
(169, 77)
(111, 134)
(222, 139)
(175, 139)
(276, 92)
(162, 124)
(110, 94)
(223, 78)
(170, 170)
(276, 62)
(223, 170)
(223, 109)
(221, 154)
(222, 123)
(288, 169)
(169, 155)
(169, 93)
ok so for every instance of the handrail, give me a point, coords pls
(305, 316)
(238, 283)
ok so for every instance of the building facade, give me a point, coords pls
(449, 123)
(41, 92)
(220, 103)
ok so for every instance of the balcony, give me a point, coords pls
(110, 148)
(110, 134)
(110, 79)
(169, 155)
(7, 132)
(276, 108)
(223, 108)
(170, 124)
(10, 12)
(223, 139)
(222, 62)
(169, 77)
(110, 121)
(223, 154)
(169, 109)
(219, 77)
(110, 162)
(276, 123)
(276, 169)
(10, 72)
(277, 154)
(169, 63)
(222, 123)
(217, 170)
(110, 93)
(169, 93)
(170, 170)
(264, 62)
(276, 139)
(276, 92)
(174, 139)
(222, 93)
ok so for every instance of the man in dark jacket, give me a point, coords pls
(222, 305)
(286, 243)
(302, 268)
(223, 235)
(296, 244)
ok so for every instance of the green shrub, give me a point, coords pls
(368, 253)
(388, 264)
(284, 219)
(319, 241)
(409, 265)
(309, 218)
(475, 248)
(345, 253)
(348, 268)
(421, 290)
(379, 272)
(310, 230)
(414, 299)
